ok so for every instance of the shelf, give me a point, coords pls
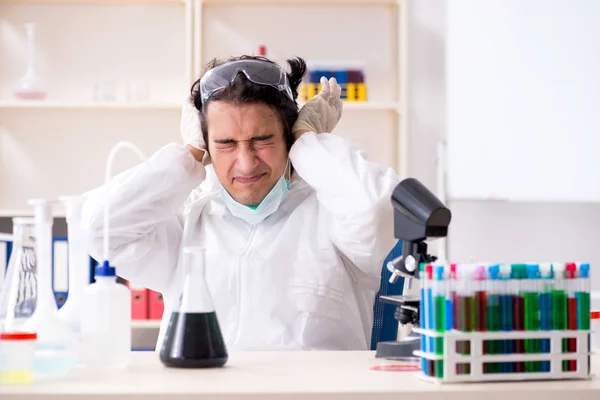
(145, 324)
(358, 106)
(94, 1)
(9, 213)
(301, 2)
(371, 106)
(92, 105)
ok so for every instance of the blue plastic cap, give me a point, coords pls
(533, 271)
(584, 269)
(105, 269)
(439, 272)
(494, 270)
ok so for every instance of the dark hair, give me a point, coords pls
(243, 91)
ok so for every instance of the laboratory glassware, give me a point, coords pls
(30, 86)
(193, 338)
(19, 289)
(57, 345)
(79, 264)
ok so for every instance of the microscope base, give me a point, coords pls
(402, 350)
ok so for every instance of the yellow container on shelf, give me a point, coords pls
(351, 92)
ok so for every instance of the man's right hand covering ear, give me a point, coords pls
(321, 113)
(190, 126)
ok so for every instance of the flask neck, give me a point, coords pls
(195, 296)
(30, 48)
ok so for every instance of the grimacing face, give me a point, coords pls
(247, 148)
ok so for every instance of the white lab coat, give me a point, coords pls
(304, 278)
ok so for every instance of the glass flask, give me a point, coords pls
(193, 338)
(18, 295)
(30, 86)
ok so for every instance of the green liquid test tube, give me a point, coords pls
(582, 296)
(559, 306)
(532, 288)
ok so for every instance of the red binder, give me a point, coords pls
(139, 302)
(155, 305)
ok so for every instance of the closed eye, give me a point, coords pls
(263, 140)
(225, 144)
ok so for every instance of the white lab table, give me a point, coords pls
(286, 375)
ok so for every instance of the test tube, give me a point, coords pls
(583, 302)
(480, 298)
(466, 311)
(479, 287)
(559, 305)
(583, 297)
(571, 312)
(439, 311)
(422, 315)
(546, 309)
(454, 284)
(531, 293)
(450, 293)
(493, 314)
(429, 316)
(506, 312)
(518, 273)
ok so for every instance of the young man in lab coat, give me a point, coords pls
(295, 221)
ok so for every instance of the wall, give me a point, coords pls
(485, 230)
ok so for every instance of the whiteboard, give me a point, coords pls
(523, 100)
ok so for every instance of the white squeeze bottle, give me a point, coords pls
(106, 322)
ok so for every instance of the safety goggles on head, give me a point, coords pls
(257, 71)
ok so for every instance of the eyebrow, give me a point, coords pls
(263, 137)
(224, 141)
(228, 141)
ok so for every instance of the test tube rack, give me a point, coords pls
(452, 359)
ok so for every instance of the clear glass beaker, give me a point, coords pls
(193, 338)
(18, 296)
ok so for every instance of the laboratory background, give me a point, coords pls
(492, 105)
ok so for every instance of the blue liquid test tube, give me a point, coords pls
(429, 316)
(450, 293)
(506, 313)
(546, 308)
(423, 315)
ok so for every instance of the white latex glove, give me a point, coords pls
(190, 127)
(321, 113)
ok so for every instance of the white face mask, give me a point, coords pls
(270, 204)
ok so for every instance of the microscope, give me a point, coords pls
(418, 216)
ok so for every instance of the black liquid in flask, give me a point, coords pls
(193, 338)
